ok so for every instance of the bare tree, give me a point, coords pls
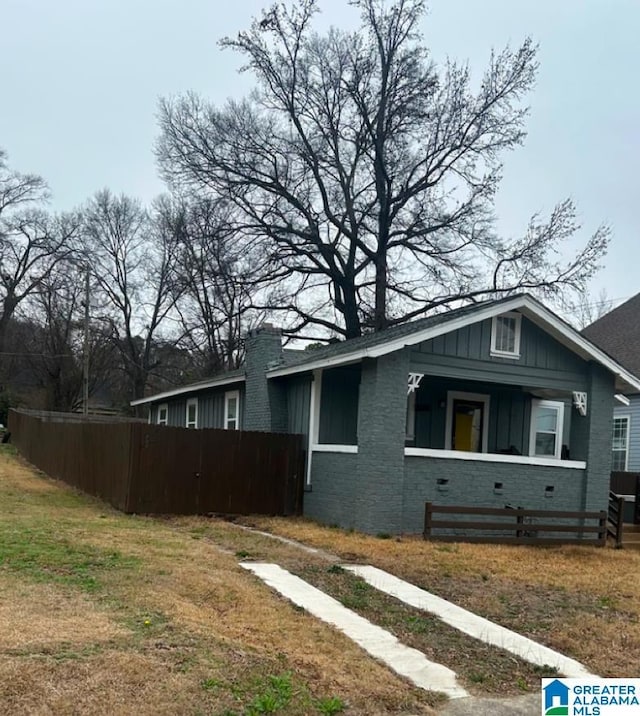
(32, 242)
(221, 278)
(132, 255)
(55, 347)
(367, 173)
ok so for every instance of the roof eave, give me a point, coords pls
(185, 390)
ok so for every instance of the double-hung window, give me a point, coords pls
(232, 410)
(620, 444)
(547, 419)
(163, 414)
(505, 335)
(191, 418)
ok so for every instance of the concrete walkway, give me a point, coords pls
(376, 641)
(529, 705)
(469, 623)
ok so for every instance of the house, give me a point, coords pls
(618, 334)
(493, 404)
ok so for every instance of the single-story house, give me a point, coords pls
(492, 404)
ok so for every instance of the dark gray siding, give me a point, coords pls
(474, 484)
(210, 407)
(298, 398)
(177, 412)
(339, 405)
(543, 362)
(509, 413)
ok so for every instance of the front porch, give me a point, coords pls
(380, 450)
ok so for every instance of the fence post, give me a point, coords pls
(620, 525)
(427, 519)
(519, 523)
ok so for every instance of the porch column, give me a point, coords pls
(381, 437)
(591, 437)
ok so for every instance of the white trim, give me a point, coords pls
(493, 457)
(627, 417)
(165, 407)
(554, 405)
(527, 305)
(476, 397)
(321, 447)
(314, 419)
(515, 354)
(228, 396)
(190, 402)
(192, 388)
(622, 399)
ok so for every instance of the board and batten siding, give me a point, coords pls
(466, 352)
(339, 405)
(298, 400)
(210, 407)
(633, 411)
(509, 414)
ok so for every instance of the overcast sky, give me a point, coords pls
(81, 80)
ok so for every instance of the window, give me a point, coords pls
(547, 418)
(163, 414)
(192, 413)
(467, 422)
(232, 410)
(620, 444)
(505, 335)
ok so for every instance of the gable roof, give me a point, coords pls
(618, 333)
(408, 334)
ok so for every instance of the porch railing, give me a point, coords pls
(615, 519)
(514, 526)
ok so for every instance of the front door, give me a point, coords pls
(468, 422)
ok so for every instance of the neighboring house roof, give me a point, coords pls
(618, 333)
(231, 376)
(407, 334)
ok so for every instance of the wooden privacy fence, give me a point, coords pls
(157, 469)
(514, 526)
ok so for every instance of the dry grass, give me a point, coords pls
(583, 601)
(108, 614)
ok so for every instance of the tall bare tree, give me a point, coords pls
(221, 279)
(132, 255)
(32, 241)
(368, 173)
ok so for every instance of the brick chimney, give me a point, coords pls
(265, 400)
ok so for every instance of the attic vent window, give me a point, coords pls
(505, 335)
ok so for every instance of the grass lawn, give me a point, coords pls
(102, 613)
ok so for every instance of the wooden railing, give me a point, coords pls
(615, 519)
(515, 525)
